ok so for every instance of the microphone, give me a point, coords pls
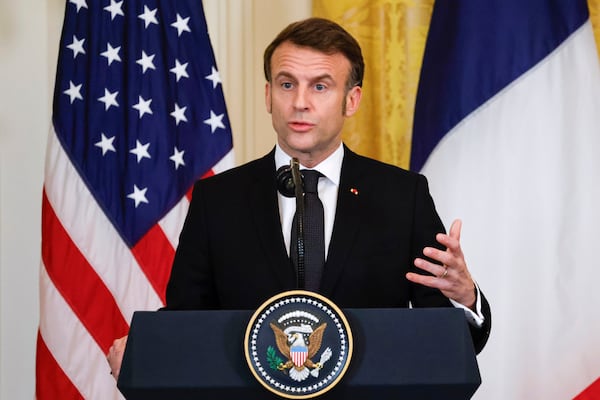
(289, 184)
(299, 193)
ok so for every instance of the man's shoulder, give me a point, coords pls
(242, 175)
(265, 163)
(385, 180)
(356, 162)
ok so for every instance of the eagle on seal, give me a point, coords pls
(292, 345)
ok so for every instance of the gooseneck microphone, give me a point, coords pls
(285, 179)
(289, 184)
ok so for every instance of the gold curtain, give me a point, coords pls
(594, 6)
(392, 35)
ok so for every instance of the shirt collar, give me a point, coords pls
(331, 167)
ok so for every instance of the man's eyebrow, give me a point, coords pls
(324, 77)
(285, 74)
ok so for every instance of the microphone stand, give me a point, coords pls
(299, 193)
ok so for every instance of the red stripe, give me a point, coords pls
(592, 392)
(210, 172)
(189, 194)
(78, 283)
(155, 255)
(51, 381)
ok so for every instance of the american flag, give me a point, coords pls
(138, 116)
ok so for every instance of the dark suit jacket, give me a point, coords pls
(232, 255)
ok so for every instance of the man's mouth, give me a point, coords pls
(301, 126)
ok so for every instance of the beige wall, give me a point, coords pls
(240, 30)
(29, 34)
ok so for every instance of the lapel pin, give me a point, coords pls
(354, 191)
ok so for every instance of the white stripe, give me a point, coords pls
(225, 163)
(523, 173)
(71, 345)
(94, 235)
(172, 223)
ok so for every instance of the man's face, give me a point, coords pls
(308, 102)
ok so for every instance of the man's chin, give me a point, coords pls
(301, 143)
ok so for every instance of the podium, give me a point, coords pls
(398, 354)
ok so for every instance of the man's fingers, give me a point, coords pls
(436, 281)
(422, 279)
(438, 255)
(115, 356)
(455, 229)
(426, 266)
(452, 277)
(438, 271)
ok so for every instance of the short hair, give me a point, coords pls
(322, 35)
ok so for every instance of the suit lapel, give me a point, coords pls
(267, 223)
(347, 221)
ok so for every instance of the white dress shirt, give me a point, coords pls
(331, 169)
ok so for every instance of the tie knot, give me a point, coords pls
(311, 180)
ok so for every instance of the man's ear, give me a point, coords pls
(353, 100)
(268, 97)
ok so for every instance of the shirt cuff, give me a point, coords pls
(475, 318)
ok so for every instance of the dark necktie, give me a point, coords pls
(314, 234)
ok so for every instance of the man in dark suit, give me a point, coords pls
(385, 245)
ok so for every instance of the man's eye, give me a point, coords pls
(286, 85)
(320, 87)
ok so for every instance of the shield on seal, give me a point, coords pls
(298, 355)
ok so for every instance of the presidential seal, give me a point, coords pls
(298, 344)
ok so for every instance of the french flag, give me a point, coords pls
(507, 130)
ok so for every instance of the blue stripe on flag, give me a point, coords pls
(476, 48)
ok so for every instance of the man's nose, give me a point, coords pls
(301, 100)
